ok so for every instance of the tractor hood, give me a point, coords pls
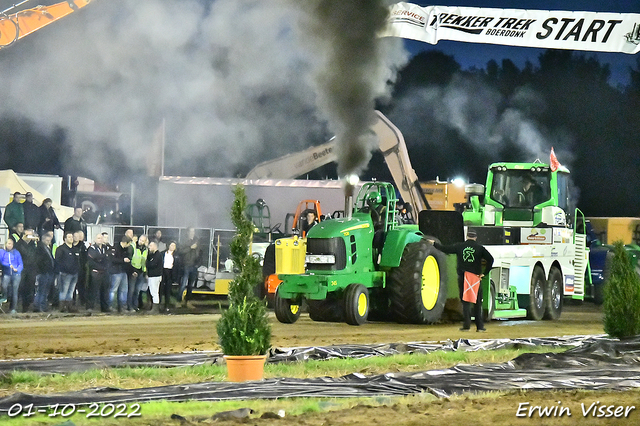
(341, 227)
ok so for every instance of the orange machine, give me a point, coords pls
(444, 195)
(15, 26)
(300, 215)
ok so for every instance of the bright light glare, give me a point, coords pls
(352, 179)
(458, 181)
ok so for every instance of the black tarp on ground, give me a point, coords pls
(67, 365)
(597, 364)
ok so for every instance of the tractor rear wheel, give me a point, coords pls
(418, 287)
(328, 310)
(535, 311)
(287, 311)
(356, 304)
(553, 296)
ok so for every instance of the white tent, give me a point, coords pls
(10, 183)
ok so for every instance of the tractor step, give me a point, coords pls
(510, 313)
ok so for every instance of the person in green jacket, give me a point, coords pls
(139, 282)
(14, 211)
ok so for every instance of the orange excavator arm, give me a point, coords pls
(20, 24)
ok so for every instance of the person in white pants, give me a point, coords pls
(154, 275)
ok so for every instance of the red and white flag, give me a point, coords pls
(471, 285)
(553, 161)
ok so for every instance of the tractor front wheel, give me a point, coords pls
(356, 304)
(287, 311)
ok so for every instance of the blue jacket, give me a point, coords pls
(9, 259)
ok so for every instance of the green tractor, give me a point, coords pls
(367, 265)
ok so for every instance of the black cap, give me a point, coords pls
(472, 234)
(28, 194)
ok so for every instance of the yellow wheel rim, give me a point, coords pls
(362, 304)
(294, 309)
(430, 282)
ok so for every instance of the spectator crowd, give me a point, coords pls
(134, 274)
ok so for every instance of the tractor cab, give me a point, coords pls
(378, 199)
(522, 194)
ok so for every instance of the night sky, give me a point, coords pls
(41, 131)
(476, 55)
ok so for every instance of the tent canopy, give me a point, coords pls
(11, 181)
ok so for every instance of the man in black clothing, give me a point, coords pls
(81, 285)
(470, 256)
(310, 221)
(75, 222)
(48, 218)
(120, 268)
(191, 254)
(31, 212)
(46, 270)
(28, 246)
(98, 289)
(68, 265)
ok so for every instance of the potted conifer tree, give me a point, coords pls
(622, 296)
(244, 330)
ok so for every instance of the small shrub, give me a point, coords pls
(244, 327)
(622, 296)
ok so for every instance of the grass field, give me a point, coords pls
(66, 335)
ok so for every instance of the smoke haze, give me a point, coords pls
(483, 118)
(352, 68)
(229, 77)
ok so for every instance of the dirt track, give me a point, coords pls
(35, 336)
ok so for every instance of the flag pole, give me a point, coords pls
(163, 143)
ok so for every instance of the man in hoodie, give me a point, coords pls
(473, 257)
(28, 247)
(11, 273)
(67, 260)
(120, 268)
(45, 266)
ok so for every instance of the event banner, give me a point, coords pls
(591, 31)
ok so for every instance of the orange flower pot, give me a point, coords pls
(243, 368)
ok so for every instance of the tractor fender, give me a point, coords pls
(394, 244)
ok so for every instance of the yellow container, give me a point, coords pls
(612, 229)
(290, 255)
